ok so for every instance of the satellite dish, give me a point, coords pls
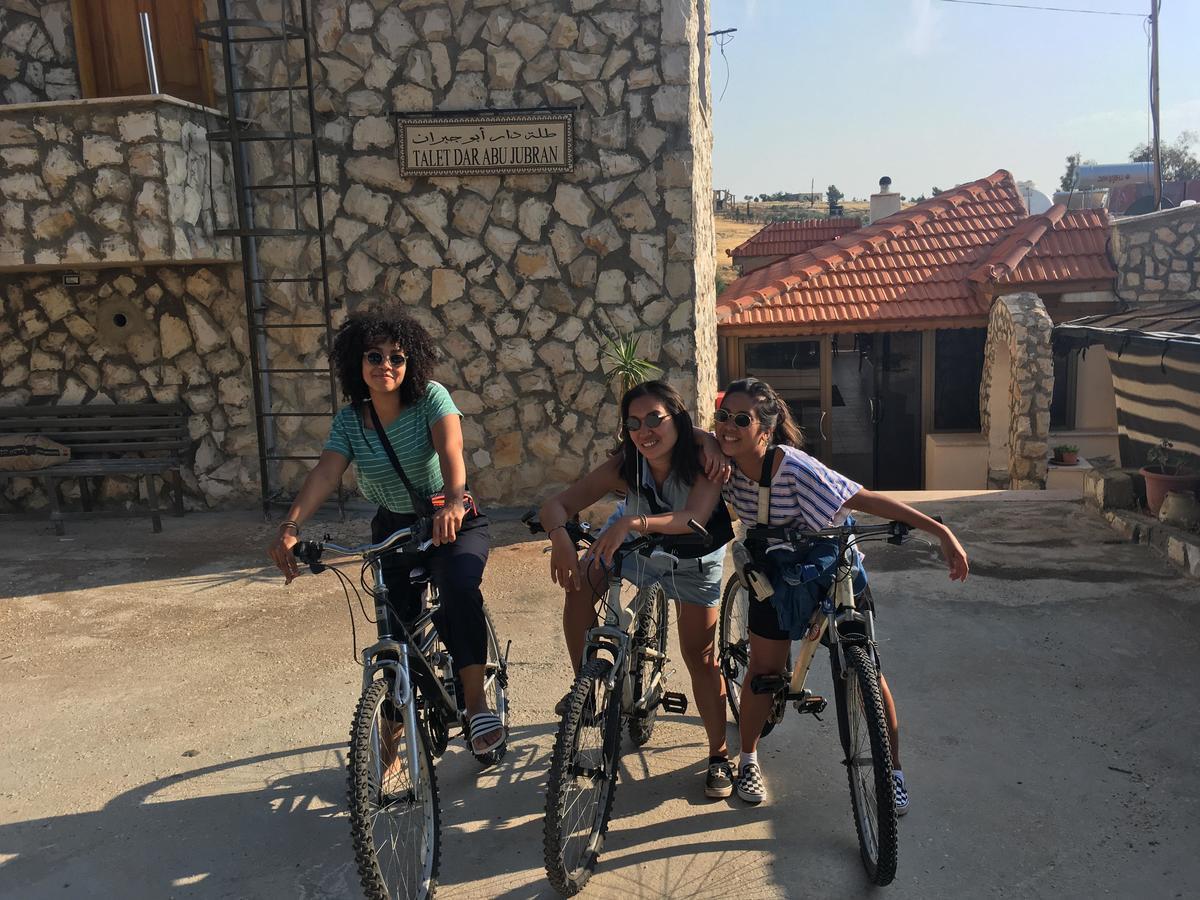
(1035, 201)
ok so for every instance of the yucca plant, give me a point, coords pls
(621, 354)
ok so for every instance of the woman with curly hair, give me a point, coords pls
(383, 359)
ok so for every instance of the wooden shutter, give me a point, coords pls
(112, 61)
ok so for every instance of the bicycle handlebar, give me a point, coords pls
(414, 536)
(581, 533)
(893, 532)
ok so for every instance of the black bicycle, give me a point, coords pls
(410, 702)
(621, 680)
(843, 622)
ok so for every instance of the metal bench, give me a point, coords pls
(140, 440)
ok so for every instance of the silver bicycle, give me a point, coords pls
(410, 700)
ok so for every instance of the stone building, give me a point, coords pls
(117, 287)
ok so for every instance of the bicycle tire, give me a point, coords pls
(650, 631)
(733, 641)
(863, 728)
(495, 690)
(387, 878)
(590, 706)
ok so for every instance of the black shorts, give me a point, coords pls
(763, 621)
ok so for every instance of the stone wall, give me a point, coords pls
(132, 335)
(123, 180)
(520, 278)
(1019, 362)
(1158, 255)
(37, 51)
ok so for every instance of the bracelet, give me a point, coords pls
(554, 529)
(293, 523)
(645, 525)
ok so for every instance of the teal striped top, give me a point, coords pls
(410, 437)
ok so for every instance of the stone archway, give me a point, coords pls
(1019, 362)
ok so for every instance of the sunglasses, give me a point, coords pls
(633, 423)
(375, 358)
(741, 420)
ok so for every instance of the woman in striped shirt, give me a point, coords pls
(804, 494)
(383, 359)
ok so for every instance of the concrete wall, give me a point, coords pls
(1158, 255)
(955, 461)
(37, 51)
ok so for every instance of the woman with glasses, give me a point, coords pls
(383, 359)
(751, 422)
(660, 469)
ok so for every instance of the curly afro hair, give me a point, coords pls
(376, 323)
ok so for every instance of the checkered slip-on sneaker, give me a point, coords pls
(750, 784)
(719, 781)
(901, 795)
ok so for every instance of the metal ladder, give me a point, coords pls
(258, 207)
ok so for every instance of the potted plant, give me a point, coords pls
(1167, 470)
(1066, 455)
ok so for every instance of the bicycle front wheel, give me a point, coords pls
(495, 688)
(583, 779)
(863, 726)
(394, 815)
(733, 642)
(650, 649)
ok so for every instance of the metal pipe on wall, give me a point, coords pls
(148, 46)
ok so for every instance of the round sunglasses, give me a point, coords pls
(375, 358)
(741, 420)
(633, 423)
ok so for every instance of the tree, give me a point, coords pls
(934, 191)
(833, 194)
(1179, 163)
(1074, 161)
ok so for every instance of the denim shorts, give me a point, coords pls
(695, 581)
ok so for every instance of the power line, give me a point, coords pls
(1086, 12)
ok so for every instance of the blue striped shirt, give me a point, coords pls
(410, 436)
(805, 493)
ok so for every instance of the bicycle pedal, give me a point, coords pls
(674, 702)
(812, 704)
(768, 684)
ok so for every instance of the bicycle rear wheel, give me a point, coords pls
(394, 815)
(583, 779)
(862, 724)
(650, 647)
(733, 641)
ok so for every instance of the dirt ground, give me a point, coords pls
(175, 722)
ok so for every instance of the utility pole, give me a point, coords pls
(1155, 5)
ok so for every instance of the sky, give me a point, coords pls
(931, 93)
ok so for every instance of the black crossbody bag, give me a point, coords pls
(425, 506)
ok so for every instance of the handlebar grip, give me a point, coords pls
(530, 519)
(309, 553)
(698, 528)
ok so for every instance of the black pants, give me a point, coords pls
(457, 570)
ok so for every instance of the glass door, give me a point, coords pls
(793, 369)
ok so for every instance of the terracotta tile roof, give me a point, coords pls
(790, 238)
(913, 269)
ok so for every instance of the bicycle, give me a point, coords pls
(845, 624)
(621, 680)
(410, 701)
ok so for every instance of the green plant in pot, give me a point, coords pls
(1066, 455)
(1166, 470)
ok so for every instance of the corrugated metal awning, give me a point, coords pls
(1165, 324)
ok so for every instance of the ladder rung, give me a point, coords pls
(256, 134)
(303, 185)
(265, 327)
(272, 89)
(266, 232)
(279, 31)
(311, 280)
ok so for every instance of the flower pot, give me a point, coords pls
(1159, 485)
(1067, 459)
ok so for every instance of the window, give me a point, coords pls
(1062, 401)
(957, 373)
